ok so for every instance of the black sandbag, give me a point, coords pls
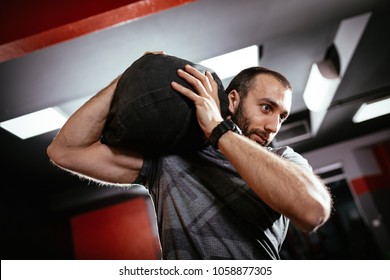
(148, 115)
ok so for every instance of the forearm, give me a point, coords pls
(85, 126)
(283, 185)
(77, 147)
(82, 131)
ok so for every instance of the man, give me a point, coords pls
(233, 199)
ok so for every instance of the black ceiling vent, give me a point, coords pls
(292, 132)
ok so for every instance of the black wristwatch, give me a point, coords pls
(221, 129)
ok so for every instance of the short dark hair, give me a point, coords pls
(243, 81)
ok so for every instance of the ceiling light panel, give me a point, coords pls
(230, 64)
(35, 123)
(372, 110)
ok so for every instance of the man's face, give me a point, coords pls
(261, 113)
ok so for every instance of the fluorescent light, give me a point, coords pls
(35, 123)
(348, 36)
(229, 64)
(346, 41)
(372, 110)
(321, 87)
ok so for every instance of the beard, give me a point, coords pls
(243, 123)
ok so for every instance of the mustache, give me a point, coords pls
(243, 123)
(261, 133)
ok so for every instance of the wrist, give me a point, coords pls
(221, 129)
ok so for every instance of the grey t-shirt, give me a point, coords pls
(205, 210)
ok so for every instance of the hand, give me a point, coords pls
(205, 99)
(155, 52)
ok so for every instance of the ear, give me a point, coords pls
(234, 100)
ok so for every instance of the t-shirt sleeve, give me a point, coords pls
(289, 154)
(149, 171)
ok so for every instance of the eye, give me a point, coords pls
(266, 108)
(283, 117)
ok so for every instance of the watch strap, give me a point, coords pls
(221, 129)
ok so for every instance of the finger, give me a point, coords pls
(196, 79)
(195, 82)
(184, 91)
(199, 75)
(209, 75)
(154, 52)
(193, 71)
(214, 85)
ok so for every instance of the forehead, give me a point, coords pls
(268, 87)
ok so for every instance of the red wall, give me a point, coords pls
(123, 231)
(374, 182)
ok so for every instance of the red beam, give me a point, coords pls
(23, 18)
(370, 183)
(79, 20)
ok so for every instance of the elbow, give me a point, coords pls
(318, 215)
(55, 155)
(314, 221)
(317, 209)
(51, 152)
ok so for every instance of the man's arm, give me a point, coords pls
(283, 185)
(77, 147)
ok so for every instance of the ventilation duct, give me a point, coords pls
(291, 133)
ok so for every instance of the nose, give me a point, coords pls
(273, 124)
